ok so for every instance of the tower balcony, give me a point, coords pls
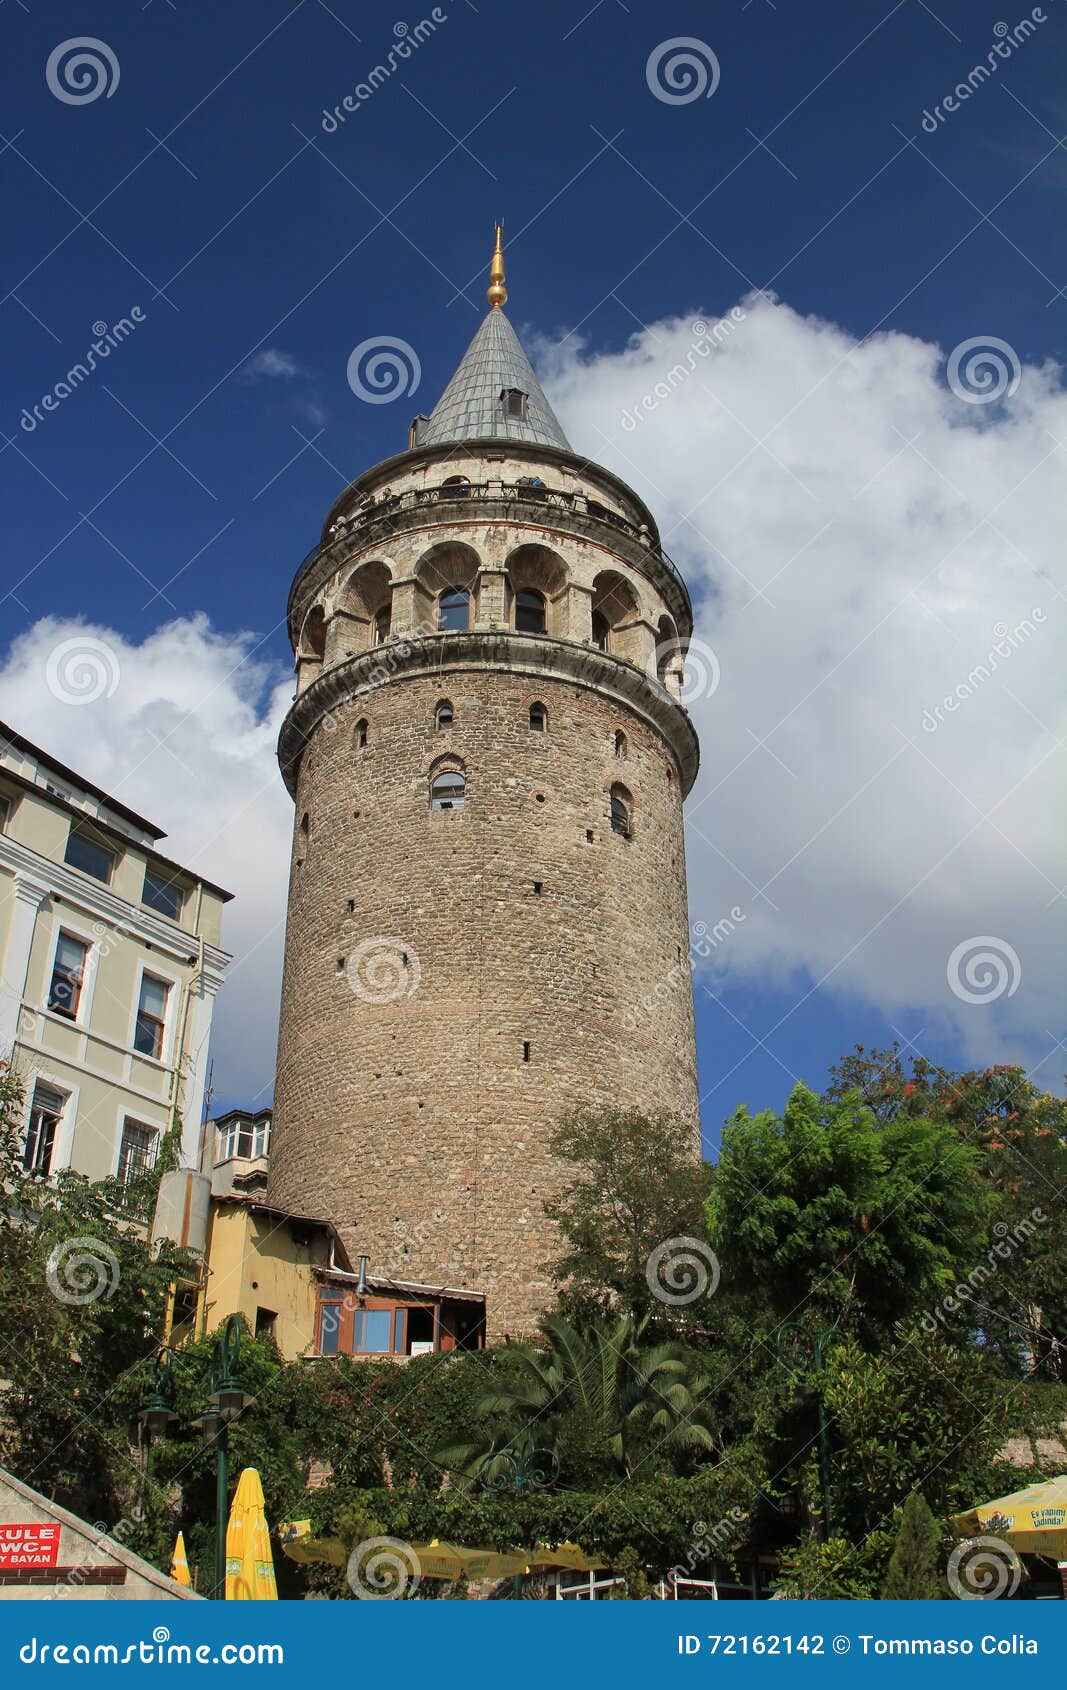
(456, 504)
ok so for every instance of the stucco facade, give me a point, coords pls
(109, 971)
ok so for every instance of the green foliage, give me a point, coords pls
(605, 1401)
(635, 1181)
(81, 1307)
(912, 1575)
(858, 1222)
(835, 1570)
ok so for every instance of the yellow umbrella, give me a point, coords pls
(1033, 1520)
(179, 1564)
(249, 1562)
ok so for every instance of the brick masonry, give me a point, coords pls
(405, 1110)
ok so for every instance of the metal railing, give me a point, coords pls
(379, 517)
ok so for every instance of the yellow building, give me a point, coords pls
(111, 963)
(289, 1275)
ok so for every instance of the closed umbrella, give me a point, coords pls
(179, 1563)
(249, 1562)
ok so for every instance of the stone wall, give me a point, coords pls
(416, 1092)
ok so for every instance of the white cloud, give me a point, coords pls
(854, 535)
(858, 537)
(184, 733)
(272, 364)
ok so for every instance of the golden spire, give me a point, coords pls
(497, 292)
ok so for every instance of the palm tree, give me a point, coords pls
(600, 1397)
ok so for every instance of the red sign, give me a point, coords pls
(29, 1546)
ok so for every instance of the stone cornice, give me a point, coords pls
(100, 902)
(344, 686)
(375, 530)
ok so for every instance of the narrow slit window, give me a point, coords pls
(538, 718)
(444, 716)
(526, 1050)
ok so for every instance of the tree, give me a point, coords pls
(827, 1213)
(912, 1575)
(604, 1401)
(635, 1182)
(1014, 1289)
(82, 1305)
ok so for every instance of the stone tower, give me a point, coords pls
(487, 908)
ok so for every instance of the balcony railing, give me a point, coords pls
(378, 518)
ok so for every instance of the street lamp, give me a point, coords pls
(802, 1353)
(227, 1401)
(507, 1470)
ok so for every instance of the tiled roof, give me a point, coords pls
(470, 408)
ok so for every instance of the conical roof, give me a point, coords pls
(472, 406)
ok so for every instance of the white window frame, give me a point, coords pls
(135, 1121)
(63, 1145)
(62, 923)
(173, 983)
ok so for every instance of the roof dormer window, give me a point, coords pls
(514, 401)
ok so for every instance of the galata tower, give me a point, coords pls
(487, 922)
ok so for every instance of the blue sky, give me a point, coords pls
(191, 473)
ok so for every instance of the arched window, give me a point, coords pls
(538, 718)
(448, 791)
(382, 623)
(621, 812)
(453, 609)
(444, 715)
(455, 487)
(302, 836)
(601, 630)
(362, 733)
(529, 611)
(621, 746)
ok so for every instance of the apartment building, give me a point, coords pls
(111, 964)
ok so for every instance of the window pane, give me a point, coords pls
(45, 1112)
(372, 1331)
(65, 989)
(529, 613)
(154, 996)
(449, 792)
(452, 609)
(90, 856)
(162, 895)
(148, 1036)
(136, 1152)
(330, 1334)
